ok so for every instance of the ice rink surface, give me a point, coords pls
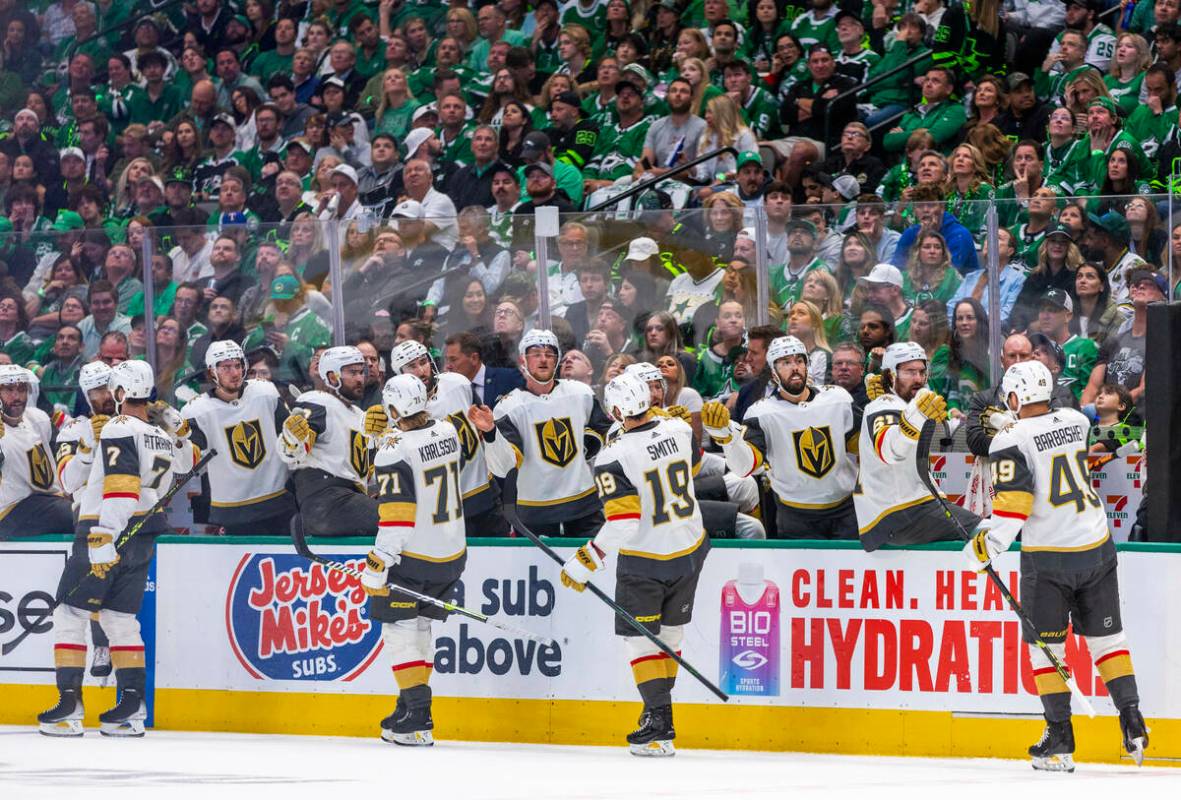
(166, 765)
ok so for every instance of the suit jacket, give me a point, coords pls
(750, 394)
(499, 381)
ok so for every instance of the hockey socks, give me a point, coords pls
(409, 643)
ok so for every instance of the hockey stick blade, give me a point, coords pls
(923, 464)
(301, 547)
(510, 514)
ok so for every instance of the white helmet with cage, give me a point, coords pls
(404, 395)
(627, 394)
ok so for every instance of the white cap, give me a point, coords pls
(423, 110)
(29, 111)
(642, 249)
(76, 152)
(884, 273)
(345, 170)
(414, 140)
(846, 186)
(409, 209)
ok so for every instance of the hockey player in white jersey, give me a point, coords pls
(654, 528)
(31, 502)
(1068, 560)
(449, 396)
(893, 503)
(325, 444)
(133, 464)
(241, 419)
(546, 432)
(804, 434)
(421, 545)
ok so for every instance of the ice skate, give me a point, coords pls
(410, 727)
(1054, 752)
(654, 737)
(1131, 723)
(65, 718)
(127, 717)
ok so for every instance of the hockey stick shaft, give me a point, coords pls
(511, 514)
(301, 547)
(923, 463)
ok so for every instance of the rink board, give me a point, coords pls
(897, 652)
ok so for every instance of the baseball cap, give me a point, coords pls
(338, 118)
(539, 166)
(641, 249)
(624, 83)
(224, 119)
(884, 273)
(1060, 230)
(534, 145)
(178, 174)
(302, 143)
(68, 221)
(345, 170)
(1104, 102)
(284, 287)
(843, 14)
(748, 157)
(804, 225)
(76, 152)
(1039, 341)
(409, 209)
(415, 138)
(423, 110)
(1016, 79)
(638, 71)
(1113, 224)
(654, 200)
(846, 186)
(569, 98)
(152, 179)
(1057, 298)
(334, 82)
(1138, 276)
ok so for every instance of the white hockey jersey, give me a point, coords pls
(75, 462)
(544, 437)
(452, 398)
(246, 477)
(419, 493)
(134, 465)
(342, 449)
(1043, 485)
(889, 479)
(645, 480)
(26, 460)
(805, 445)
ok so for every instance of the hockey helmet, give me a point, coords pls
(225, 350)
(784, 346)
(539, 338)
(335, 359)
(95, 375)
(645, 371)
(1031, 381)
(900, 353)
(405, 395)
(628, 394)
(134, 379)
(11, 374)
(404, 353)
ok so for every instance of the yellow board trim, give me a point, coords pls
(665, 556)
(558, 502)
(849, 731)
(1013, 502)
(1078, 549)
(249, 502)
(900, 507)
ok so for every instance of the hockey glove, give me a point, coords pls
(101, 550)
(926, 405)
(996, 420)
(97, 423)
(715, 419)
(873, 386)
(165, 416)
(297, 437)
(377, 566)
(578, 569)
(376, 420)
(681, 413)
(982, 548)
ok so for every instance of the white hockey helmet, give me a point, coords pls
(95, 375)
(334, 359)
(539, 338)
(12, 374)
(134, 378)
(405, 353)
(900, 353)
(628, 394)
(1031, 381)
(225, 350)
(405, 395)
(784, 346)
(645, 371)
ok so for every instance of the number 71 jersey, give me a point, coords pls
(1040, 474)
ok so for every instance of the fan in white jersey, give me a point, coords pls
(654, 527)
(325, 443)
(893, 503)
(134, 464)
(546, 432)
(805, 434)
(1068, 561)
(31, 502)
(449, 396)
(241, 419)
(421, 545)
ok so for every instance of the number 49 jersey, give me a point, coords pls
(1043, 485)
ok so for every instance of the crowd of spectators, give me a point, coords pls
(243, 147)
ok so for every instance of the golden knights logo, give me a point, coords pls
(468, 441)
(556, 439)
(359, 452)
(247, 448)
(815, 454)
(40, 469)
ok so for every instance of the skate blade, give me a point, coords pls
(1136, 751)
(415, 739)
(131, 729)
(657, 749)
(1058, 763)
(66, 728)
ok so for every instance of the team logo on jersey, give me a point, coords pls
(815, 453)
(359, 452)
(40, 469)
(468, 441)
(556, 437)
(288, 619)
(246, 445)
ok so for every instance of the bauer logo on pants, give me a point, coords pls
(288, 619)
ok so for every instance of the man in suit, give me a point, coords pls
(461, 354)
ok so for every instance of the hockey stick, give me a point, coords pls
(923, 463)
(511, 514)
(301, 547)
